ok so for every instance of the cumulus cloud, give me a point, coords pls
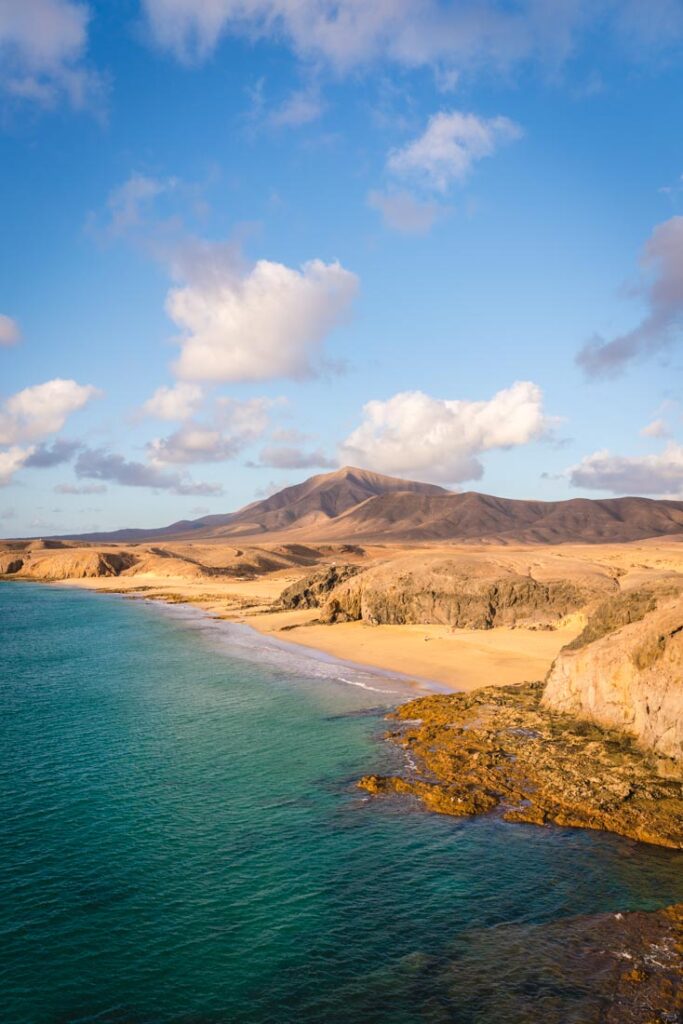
(292, 457)
(35, 413)
(42, 409)
(269, 322)
(403, 212)
(9, 331)
(232, 426)
(451, 143)
(174, 403)
(662, 261)
(99, 464)
(441, 439)
(42, 50)
(46, 456)
(468, 34)
(11, 460)
(660, 474)
(194, 443)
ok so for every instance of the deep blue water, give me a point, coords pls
(182, 843)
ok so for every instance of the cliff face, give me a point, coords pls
(631, 678)
(465, 594)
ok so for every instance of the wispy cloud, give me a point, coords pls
(404, 212)
(10, 333)
(99, 464)
(662, 263)
(42, 53)
(292, 457)
(449, 147)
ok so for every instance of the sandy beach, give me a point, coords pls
(460, 659)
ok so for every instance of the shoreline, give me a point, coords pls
(435, 658)
(412, 686)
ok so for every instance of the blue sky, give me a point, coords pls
(246, 242)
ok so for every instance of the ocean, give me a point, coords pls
(182, 842)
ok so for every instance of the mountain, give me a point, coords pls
(472, 516)
(355, 504)
(309, 505)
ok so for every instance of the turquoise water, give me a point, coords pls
(182, 841)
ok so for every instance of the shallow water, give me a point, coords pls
(182, 841)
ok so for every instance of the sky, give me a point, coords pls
(247, 241)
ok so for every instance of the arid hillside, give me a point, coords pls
(357, 506)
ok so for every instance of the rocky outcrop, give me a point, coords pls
(10, 563)
(626, 672)
(465, 594)
(75, 563)
(499, 748)
(314, 590)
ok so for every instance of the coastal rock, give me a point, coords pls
(499, 747)
(313, 590)
(76, 563)
(10, 563)
(626, 672)
(464, 593)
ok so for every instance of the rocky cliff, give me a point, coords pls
(463, 593)
(626, 671)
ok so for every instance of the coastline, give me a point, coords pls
(242, 635)
(437, 656)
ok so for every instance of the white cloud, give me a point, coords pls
(403, 212)
(42, 409)
(458, 35)
(35, 413)
(662, 260)
(660, 474)
(174, 403)
(442, 439)
(194, 443)
(11, 460)
(267, 323)
(233, 425)
(657, 428)
(42, 46)
(302, 107)
(451, 143)
(9, 331)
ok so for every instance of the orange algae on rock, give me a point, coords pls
(499, 747)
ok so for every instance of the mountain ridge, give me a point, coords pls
(356, 504)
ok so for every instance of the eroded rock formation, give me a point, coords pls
(463, 593)
(313, 590)
(625, 671)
